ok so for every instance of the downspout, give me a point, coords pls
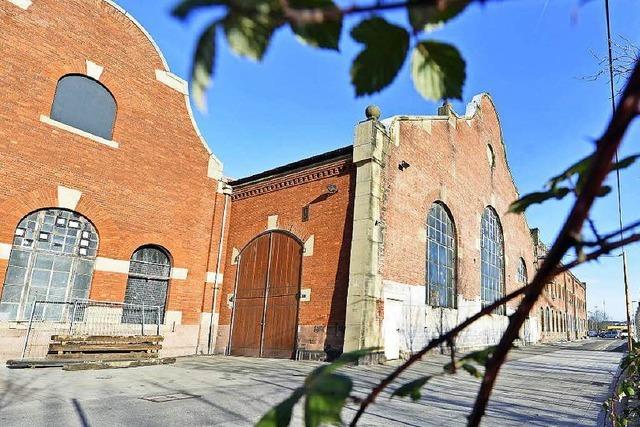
(225, 194)
(204, 293)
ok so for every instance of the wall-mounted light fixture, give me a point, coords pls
(403, 165)
(332, 189)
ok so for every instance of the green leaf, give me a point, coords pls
(438, 70)
(185, 7)
(480, 356)
(325, 400)
(625, 163)
(580, 166)
(524, 202)
(203, 63)
(604, 190)
(429, 16)
(472, 370)
(249, 35)
(280, 415)
(385, 50)
(411, 389)
(324, 35)
(344, 359)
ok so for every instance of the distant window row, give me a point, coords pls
(442, 253)
(556, 321)
(85, 104)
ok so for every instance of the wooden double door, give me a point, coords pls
(265, 308)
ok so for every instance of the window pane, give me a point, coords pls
(492, 259)
(440, 258)
(53, 263)
(15, 275)
(85, 104)
(147, 285)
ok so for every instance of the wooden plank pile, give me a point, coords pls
(98, 351)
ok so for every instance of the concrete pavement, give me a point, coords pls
(559, 385)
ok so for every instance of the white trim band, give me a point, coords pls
(179, 273)
(112, 265)
(5, 250)
(213, 277)
(23, 4)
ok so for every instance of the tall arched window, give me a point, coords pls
(542, 323)
(52, 259)
(147, 285)
(85, 104)
(441, 257)
(492, 263)
(548, 322)
(522, 273)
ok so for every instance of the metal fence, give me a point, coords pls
(86, 317)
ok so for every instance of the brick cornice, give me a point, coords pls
(292, 179)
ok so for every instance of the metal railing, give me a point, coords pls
(86, 317)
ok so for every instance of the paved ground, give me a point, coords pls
(559, 385)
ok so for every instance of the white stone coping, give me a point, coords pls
(213, 277)
(48, 120)
(5, 250)
(112, 265)
(23, 4)
(179, 273)
(173, 81)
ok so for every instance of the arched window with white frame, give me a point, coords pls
(147, 285)
(52, 259)
(86, 104)
(492, 259)
(441, 257)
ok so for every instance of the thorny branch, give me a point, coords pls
(605, 152)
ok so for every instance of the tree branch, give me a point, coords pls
(604, 249)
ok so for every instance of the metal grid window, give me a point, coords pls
(522, 273)
(492, 264)
(441, 258)
(52, 258)
(149, 272)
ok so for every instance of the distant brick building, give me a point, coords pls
(109, 194)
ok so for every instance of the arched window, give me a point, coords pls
(542, 323)
(85, 104)
(522, 273)
(548, 318)
(441, 257)
(52, 259)
(147, 285)
(492, 264)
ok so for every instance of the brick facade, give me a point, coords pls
(281, 196)
(159, 186)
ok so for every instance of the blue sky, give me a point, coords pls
(529, 54)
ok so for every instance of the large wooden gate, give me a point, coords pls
(265, 312)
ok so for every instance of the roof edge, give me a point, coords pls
(298, 165)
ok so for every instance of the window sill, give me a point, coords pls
(76, 131)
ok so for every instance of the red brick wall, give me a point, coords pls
(326, 272)
(152, 189)
(449, 163)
